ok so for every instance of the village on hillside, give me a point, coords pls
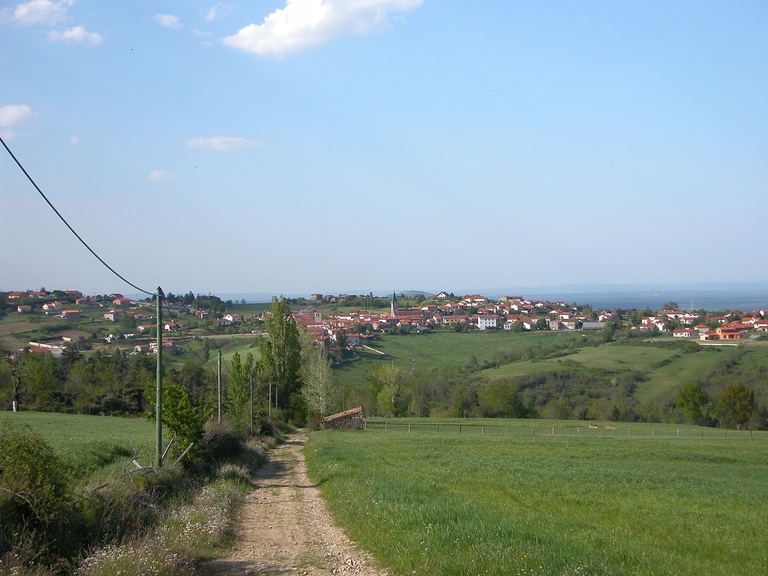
(332, 321)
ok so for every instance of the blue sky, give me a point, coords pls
(338, 145)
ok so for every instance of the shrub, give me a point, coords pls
(36, 504)
(220, 442)
(33, 476)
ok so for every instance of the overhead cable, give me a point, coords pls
(83, 242)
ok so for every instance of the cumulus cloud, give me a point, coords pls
(159, 175)
(306, 23)
(222, 143)
(76, 35)
(168, 20)
(39, 12)
(14, 114)
(74, 139)
(7, 134)
(218, 11)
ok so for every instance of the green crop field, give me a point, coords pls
(510, 502)
(442, 348)
(92, 444)
(606, 357)
(666, 380)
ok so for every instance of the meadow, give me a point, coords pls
(568, 503)
(95, 446)
(422, 351)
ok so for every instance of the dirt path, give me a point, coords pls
(286, 528)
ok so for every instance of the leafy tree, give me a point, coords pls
(517, 327)
(393, 396)
(127, 323)
(318, 388)
(671, 305)
(180, 416)
(739, 402)
(500, 400)
(691, 399)
(281, 359)
(608, 331)
(242, 377)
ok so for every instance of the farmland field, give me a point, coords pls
(510, 502)
(607, 357)
(93, 444)
(442, 348)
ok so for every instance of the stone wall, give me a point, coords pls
(349, 420)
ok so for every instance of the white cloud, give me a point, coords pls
(74, 139)
(77, 35)
(305, 23)
(218, 11)
(40, 12)
(222, 143)
(7, 134)
(13, 114)
(168, 20)
(159, 175)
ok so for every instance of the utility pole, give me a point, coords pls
(219, 388)
(251, 382)
(159, 387)
(270, 400)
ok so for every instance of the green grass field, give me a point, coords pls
(94, 445)
(607, 357)
(441, 348)
(517, 503)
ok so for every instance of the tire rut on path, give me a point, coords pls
(285, 526)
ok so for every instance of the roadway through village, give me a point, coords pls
(285, 526)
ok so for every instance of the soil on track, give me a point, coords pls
(285, 527)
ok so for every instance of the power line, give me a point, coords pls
(83, 242)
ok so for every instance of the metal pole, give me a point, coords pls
(159, 386)
(251, 383)
(270, 400)
(219, 385)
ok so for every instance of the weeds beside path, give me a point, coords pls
(286, 528)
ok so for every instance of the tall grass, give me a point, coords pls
(523, 504)
(155, 524)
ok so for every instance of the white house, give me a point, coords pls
(487, 321)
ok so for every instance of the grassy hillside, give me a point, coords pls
(423, 351)
(516, 503)
(642, 372)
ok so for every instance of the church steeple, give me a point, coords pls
(393, 307)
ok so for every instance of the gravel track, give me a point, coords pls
(285, 526)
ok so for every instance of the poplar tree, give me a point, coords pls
(242, 376)
(281, 360)
(318, 385)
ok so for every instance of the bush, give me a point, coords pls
(36, 503)
(220, 442)
(33, 476)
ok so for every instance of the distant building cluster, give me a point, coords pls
(509, 312)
